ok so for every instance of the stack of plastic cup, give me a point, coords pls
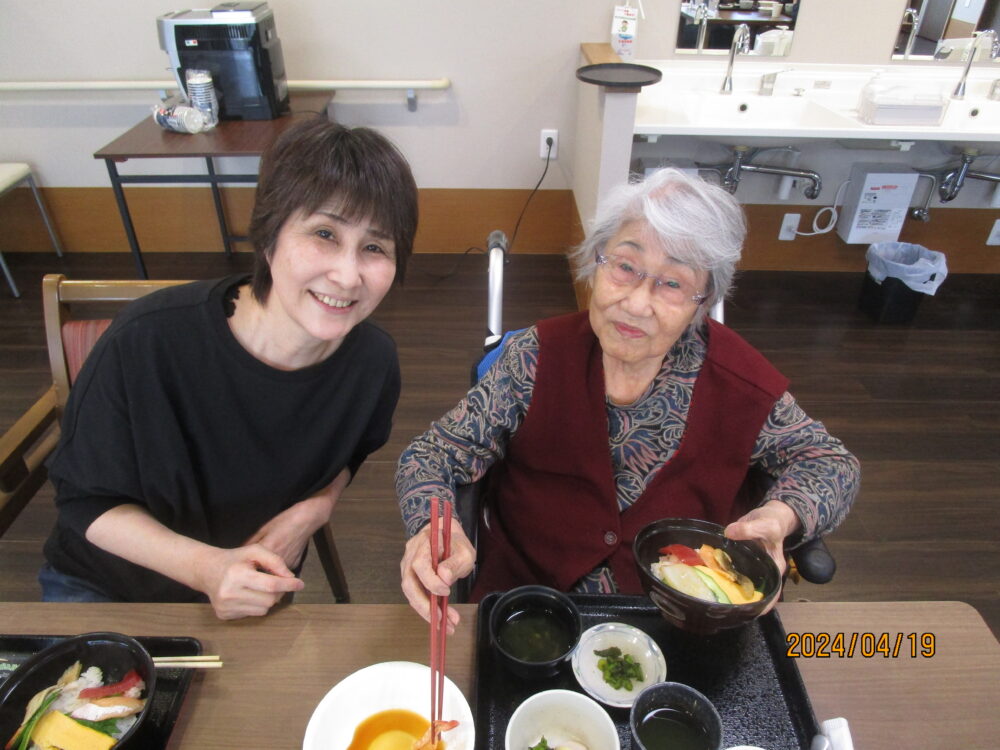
(201, 92)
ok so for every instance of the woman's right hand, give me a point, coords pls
(245, 581)
(419, 579)
(240, 582)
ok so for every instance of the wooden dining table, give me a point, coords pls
(938, 690)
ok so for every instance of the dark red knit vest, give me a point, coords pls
(552, 509)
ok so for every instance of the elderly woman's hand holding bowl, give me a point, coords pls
(597, 423)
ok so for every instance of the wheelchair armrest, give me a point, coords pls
(468, 499)
(814, 561)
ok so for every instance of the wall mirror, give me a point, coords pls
(708, 26)
(943, 29)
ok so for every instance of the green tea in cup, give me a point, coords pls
(670, 729)
(674, 716)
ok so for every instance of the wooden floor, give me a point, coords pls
(918, 404)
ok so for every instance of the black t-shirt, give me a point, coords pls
(170, 412)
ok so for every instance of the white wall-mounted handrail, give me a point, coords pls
(410, 86)
(433, 83)
(87, 85)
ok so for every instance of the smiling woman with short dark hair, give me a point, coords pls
(215, 424)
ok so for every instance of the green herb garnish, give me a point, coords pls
(104, 726)
(24, 736)
(618, 670)
(543, 744)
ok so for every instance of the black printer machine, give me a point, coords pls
(237, 42)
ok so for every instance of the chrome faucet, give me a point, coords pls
(914, 17)
(977, 38)
(740, 45)
(701, 21)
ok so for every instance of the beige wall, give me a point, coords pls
(511, 64)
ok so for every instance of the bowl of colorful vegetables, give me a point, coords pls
(700, 580)
(91, 690)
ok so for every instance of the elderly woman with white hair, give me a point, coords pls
(639, 408)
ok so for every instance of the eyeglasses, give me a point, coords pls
(623, 272)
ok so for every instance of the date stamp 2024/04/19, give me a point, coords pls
(866, 645)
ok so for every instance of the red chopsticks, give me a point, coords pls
(440, 527)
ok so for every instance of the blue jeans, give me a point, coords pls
(59, 587)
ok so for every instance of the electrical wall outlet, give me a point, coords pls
(994, 238)
(543, 147)
(789, 226)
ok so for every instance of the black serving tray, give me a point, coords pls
(757, 690)
(619, 75)
(171, 684)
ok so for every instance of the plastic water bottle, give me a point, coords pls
(179, 118)
(201, 92)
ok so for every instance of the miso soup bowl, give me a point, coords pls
(691, 613)
(548, 603)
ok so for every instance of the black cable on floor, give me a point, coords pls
(510, 247)
(548, 158)
(441, 277)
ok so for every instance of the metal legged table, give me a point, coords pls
(147, 140)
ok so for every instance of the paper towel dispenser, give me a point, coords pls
(238, 43)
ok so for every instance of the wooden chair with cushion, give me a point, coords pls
(71, 334)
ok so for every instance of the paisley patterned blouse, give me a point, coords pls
(813, 471)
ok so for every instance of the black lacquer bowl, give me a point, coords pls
(688, 612)
(543, 602)
(114, 653)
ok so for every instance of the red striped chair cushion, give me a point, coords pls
(79, 337)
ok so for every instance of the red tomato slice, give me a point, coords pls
(130, 680)
(683, 554)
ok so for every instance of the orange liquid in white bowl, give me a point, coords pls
(395, 729)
